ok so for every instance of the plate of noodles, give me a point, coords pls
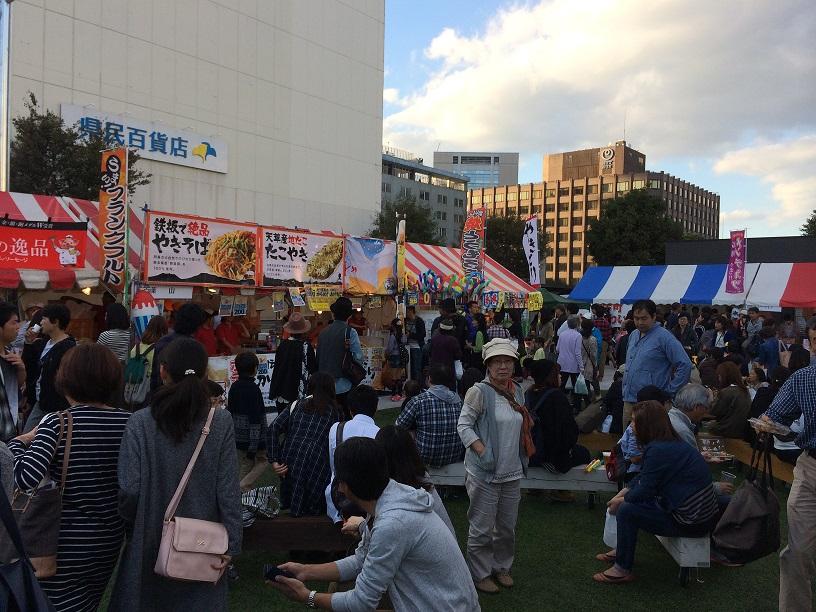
(232, 255)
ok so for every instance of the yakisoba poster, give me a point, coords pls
(193, 250)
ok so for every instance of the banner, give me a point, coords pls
(190, 250)
(369, 266)
(735, 276)
(293, 258)
(113, 221)
(321, 297)
(530, 243)
(222, 370)
(535, 301)
(42, 245)
(401, 273)
(473, 242)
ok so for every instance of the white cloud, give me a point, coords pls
(694, 78)
(390, 95)
(788, 168)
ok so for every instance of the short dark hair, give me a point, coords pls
(116, 317)
(362, 464)
(189, 317)
(652, 423)
(57, 314)
(647, 305)
(342, 308)
(448, 304)
(572, 308)
(411, 309)
(652, 393)
(246, 363)
(472, 302)
(89, 373)
(6, 312)
(498, 318)
(441, 374)
(363, 400)
(753, 309)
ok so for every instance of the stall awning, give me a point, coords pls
(446, 261)
(704, 284)
(29, 207)
(791, 285)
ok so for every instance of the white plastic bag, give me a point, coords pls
(607, 424)
(581, 386)
(610, 536)
(457, 366)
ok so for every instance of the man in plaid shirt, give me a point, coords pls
(602, 323)
(433, 415)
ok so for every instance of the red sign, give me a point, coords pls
(735, 276)
(473, 234)
(42, 245)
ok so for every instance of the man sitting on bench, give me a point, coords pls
(406, 549)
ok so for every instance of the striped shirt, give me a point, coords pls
(91, 529)
(118, 341)
(698, 509)
(797, 397)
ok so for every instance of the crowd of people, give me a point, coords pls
(477, 390)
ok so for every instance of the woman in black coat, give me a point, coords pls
(555, 433)
(294, 361)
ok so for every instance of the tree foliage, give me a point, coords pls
(419, 223)
(809, 227)
(632, 231)
(50, 158)
(503, 243)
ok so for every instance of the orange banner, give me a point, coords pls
(113, 226)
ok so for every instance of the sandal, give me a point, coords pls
(605, 557)
(605, 578)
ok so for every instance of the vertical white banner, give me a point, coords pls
(530, 243)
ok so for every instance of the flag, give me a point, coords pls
(113, 221)
(530, 243)
(473, 234)
(735, 277)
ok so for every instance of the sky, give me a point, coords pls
(722, 94)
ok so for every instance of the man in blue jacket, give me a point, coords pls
(653, 357)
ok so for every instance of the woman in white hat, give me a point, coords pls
(294, 361)
(496, 429)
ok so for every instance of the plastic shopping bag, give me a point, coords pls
(610, 536)
(581, 386)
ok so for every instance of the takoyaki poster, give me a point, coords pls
(293, 258)
(183, 249)
(42, 245)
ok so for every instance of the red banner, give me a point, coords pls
(473, 235)
(42, 245)
(113, 227)
(735, 276)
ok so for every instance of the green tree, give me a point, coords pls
(809, 228)
(632, 231)
(503, 243)
(419, 224)
(50, 158)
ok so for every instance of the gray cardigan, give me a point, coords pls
(477, 421)
(150, 468)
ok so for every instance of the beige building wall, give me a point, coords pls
(293, 86)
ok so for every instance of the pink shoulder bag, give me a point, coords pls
(191, 547)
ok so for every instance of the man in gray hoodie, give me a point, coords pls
(406, 549)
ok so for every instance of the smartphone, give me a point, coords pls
(271, 571)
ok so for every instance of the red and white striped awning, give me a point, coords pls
(446, 261)
(791, 285)
(28, 207)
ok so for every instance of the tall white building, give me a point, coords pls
(262, 110)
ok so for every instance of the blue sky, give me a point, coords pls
(720, 95)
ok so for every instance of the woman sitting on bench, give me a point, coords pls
(673, 495)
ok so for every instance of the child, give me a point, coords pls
(246, 405)
(411, 389)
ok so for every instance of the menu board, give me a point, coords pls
(292, 258)
(192, 250)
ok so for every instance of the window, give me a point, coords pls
(563, 222)
(562, 267)
(444, 216)
(524, 210)
(495, 160)
(536, 208)
(577, 206)
(577, 236)
(578, 190)
(577, 220)
(592, 205)
(549, 222)
(592, 189)
(525, 195)
(444, 199)
(455, 159)
(606, 188)
(511, 197)
(562, 251)
(500, 197)
(438, 214)
(536, 194)
(654, 184)
(405, 191)
(623, 186)
(550, 193)
(443, 231)
(488, 199)
(550, 208)
(563, 191)
(563, 237)
(563, 206)
(425, 195)
(386, 187)
(638, 184)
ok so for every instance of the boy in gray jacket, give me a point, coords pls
(406, 548)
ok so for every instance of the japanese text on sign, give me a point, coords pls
(530, 243)
(42, 245)
(113, 210)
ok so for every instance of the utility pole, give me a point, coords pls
(5, 74)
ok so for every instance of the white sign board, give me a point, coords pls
(222, 370)
(174, 292)
(155, 141)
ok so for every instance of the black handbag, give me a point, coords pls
(19, 589)
(349, 367)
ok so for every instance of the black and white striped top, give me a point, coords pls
(699, 508)
(118, 341)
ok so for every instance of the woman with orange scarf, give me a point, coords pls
(496, 429)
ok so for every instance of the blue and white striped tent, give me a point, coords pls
(703, 284)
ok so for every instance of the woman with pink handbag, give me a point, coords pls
(179, 493)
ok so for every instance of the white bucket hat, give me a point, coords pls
(499, 346)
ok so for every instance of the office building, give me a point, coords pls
(576, 185)
(443, 193)
(483, 169)
(263, 110)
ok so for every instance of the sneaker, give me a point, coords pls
(504, 579)
(486, 585)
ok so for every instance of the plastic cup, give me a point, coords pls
(728, 477)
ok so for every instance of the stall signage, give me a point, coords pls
(535, 301)
(222, 370)
(169, 292)
(113, 222)
(370, 266)
(225, 306)
(735, 275)
(155, 141)
(296, 297)
(321, 297)
(473, 235)
(42, 245)
(292, 258)
(188, 250)
(529, 243)
(490, 300)
(413, 298)
(239, 306)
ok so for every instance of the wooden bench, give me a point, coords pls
(538, 478)
(285, 532)
(742, 452)
(598, 442)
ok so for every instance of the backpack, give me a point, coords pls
(137, 382)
